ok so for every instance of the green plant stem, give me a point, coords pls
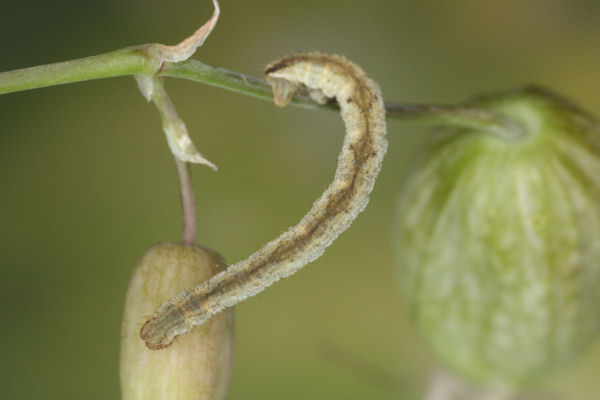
(129, 61)
(145, 60)
(461, 116)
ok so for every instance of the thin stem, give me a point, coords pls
(175, 130)
(129, 61)
(222, 78)
(462, 116)
(188, 203)
(148, 60)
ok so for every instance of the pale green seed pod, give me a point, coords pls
(499, 242)
(196, 366)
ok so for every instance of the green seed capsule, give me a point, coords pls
(196, 366)
(499, 242)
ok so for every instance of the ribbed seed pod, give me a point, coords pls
(499, 242)
(196, 366)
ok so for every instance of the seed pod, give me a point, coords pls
(196, 366)
(499, 242)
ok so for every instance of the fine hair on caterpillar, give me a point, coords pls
(325, 77)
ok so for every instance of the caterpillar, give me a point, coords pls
(325, 77)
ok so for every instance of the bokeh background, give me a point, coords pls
(87, 181)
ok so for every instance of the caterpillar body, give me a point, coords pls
(325, 77)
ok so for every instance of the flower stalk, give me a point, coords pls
(148, 60)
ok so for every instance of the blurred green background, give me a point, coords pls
(87, 181)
